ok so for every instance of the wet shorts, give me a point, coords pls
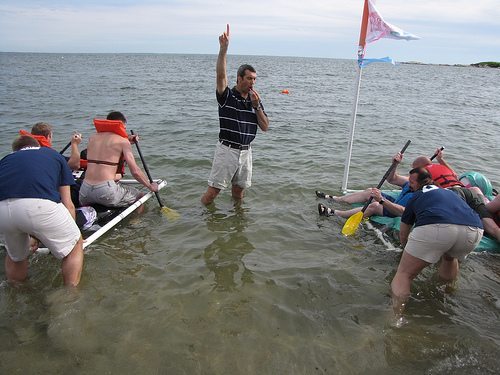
(231, 166)
(430, 242)
(108, 193)
(44, 219)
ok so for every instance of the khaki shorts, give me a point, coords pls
(48, 221)
(231, 166)
(108, 193)
(431, 242)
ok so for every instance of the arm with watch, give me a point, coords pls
(393, 208)
(262, 119)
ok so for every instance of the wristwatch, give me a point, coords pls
(381, 201)
(258, 108)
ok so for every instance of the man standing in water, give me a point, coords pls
(35, 200)
(240, 113)
(444, 228)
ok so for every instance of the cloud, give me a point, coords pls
(314, 27)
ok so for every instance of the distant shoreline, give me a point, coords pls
(484, 64)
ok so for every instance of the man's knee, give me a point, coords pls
(77, 249)
(72, 265)
(16, 271)
(374, 209)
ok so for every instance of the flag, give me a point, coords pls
(377, 28)
(364, 62)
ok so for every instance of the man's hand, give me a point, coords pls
(224, 39)
(133, 138)
(154, 187)
(439, 155)
(254, 97)
(397, 158)
(376, 194)
(76, 138)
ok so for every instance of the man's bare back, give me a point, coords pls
(106, 151)
(105, 148)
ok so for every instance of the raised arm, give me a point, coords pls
(395, 178)
(74, 159)
(221, 61)
(439, 158)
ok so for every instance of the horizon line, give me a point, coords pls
(215, 54)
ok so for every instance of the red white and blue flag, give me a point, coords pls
(373, 28)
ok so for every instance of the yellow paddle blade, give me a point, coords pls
(171, 214)
(352, 224)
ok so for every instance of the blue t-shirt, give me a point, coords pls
(237, 118)
(433, 205)
(405, 195)
(402, 199)
(34, 173)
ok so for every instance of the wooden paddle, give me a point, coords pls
(352, 224)
(169, 213)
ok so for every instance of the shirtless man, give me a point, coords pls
(106, 153)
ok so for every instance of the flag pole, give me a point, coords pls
(361, 54)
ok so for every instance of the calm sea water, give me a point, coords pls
(267, 286)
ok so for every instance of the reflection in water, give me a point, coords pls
(224, 256)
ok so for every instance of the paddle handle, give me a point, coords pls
(147, 169)
(393, 165)
(436, 154)
(65, 148)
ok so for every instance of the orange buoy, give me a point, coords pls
(285, 91)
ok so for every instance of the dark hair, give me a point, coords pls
(243, 68)
(41, 128)
(423, 176)
(24, 141)
(115, 115)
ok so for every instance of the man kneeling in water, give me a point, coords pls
(106, 152)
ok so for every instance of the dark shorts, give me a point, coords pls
(473, 200)
(386, 211)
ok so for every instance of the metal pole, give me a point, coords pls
(347, 163)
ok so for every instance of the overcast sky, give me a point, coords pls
(452, 32)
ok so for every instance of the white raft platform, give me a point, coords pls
(119, 216)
